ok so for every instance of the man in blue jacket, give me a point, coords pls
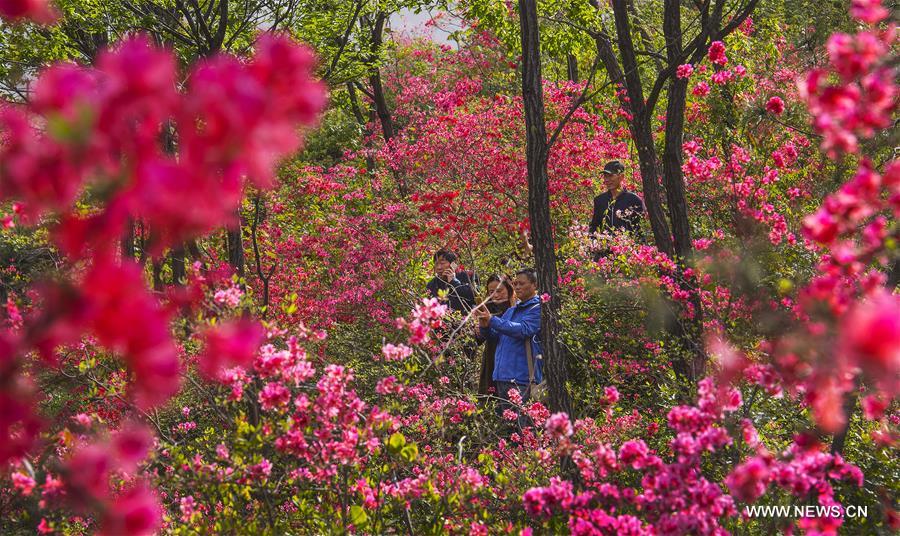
(519, 325)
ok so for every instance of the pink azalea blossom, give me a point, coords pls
(38, 11)
(717, 53)
(868, 11)
(23, 483)
(775, 105)
(559, 426)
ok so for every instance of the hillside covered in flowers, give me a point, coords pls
(247, 249)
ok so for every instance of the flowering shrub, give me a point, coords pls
(96, 129)
(293, 400)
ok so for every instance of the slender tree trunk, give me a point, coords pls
(673, 176)
(176, 254)
(381, 107)
(142, 245)
(178, 268)
(235, 244)
(157, 266)
(641, 133)
(572, 67)
(378, 98)
(361, 119)
(539, 206)
(128, 241)
(893, 274)
(840, 438)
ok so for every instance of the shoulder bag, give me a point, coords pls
(537, 392)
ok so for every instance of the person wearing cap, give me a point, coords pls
(616, 209)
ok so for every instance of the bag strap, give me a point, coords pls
(529, 353)
(530, 356)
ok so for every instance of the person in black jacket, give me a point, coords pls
(616, 210)
(457, 284)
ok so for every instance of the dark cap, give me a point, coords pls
(613, 167)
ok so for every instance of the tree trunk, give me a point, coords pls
(539, 206)
(572, 67)
(643, 140)
(178, 269)
(381, 107)
(673, 176)
(378, 99)
(673, 179)
(893, 274)
(157, 266)
(840, 438)
(236, 247)
(361, 119)
(128, 241)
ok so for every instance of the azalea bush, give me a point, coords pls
(316, 390)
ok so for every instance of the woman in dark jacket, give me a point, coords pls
(501, 297)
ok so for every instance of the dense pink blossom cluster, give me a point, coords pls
(717, 53)
(775, 105)
(38, 11)
(97, 129)
(856, 94)
(685, 71)
(674, 497)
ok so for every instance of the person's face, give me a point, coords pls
(613, 182)
(524, 288)
(441, 265)
(498, 292)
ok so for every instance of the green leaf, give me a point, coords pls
(409, 452)
(358, 516)
(396, 441)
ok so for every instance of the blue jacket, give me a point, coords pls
(519, 325)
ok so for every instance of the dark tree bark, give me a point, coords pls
(539, 206)
(673, 176)
(639, 126)
(266, 278)
(354, 104)
(840, 438)
(379, 101)
(361, 119)
(157, 267)
(572, 67)
(178, 268)
(381, 107)
(690, 332)
(893, 278)
(235, 243)
(128, 241)
(176, 255)
(142, 245)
